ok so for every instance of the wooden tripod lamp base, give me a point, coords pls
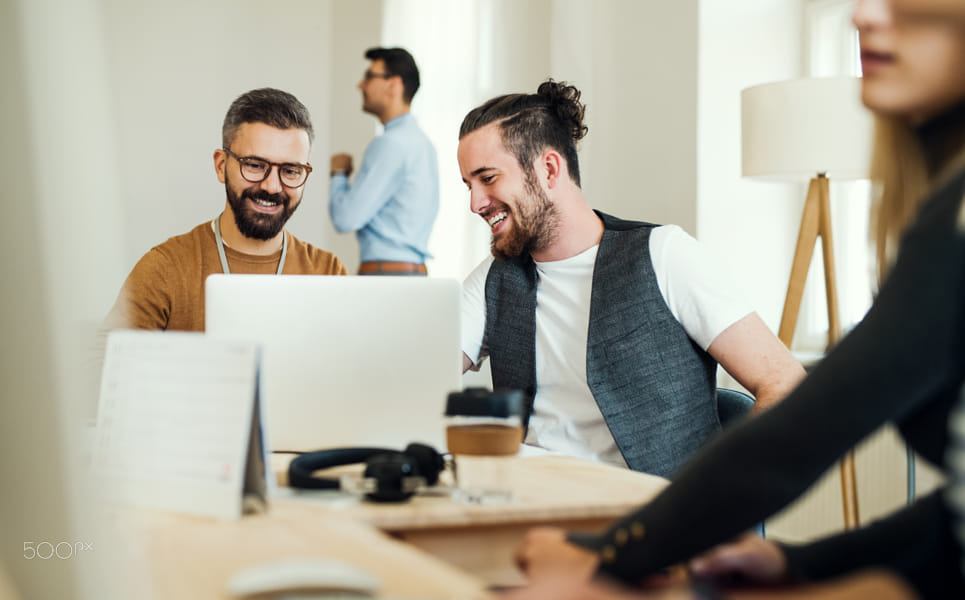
(816, 222)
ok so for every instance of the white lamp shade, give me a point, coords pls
(793, 130)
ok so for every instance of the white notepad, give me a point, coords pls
(178, 423)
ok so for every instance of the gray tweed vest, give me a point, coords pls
(653, 384)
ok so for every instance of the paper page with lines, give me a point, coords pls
(174, 421)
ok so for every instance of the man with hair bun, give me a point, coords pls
(613, 328)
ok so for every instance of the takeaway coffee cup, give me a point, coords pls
(483, 434)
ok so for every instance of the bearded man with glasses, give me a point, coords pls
(263, 163)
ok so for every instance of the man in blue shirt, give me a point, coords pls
(395, 197)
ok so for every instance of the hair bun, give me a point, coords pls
(565, 101)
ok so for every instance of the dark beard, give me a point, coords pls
(255, 225)
(535, 224)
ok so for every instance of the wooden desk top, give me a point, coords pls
(547, 489)
(180, 556)
(177, 556)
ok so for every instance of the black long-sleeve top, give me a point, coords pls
(905, 363)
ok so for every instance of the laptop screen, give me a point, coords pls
(346, 360)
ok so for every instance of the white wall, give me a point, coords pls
(636, 63)
(750, 225)
(359, 27)
(32, 507)
(61, 210)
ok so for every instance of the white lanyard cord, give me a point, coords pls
(224, 259)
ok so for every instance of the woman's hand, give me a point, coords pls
(544, 552)
(751, 558)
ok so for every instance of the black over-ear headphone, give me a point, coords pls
(389, 476)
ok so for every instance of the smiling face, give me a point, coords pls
(913, 63)
(520, 214)
(261, 209)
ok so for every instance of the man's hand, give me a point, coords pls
(544, 552)
(751, 558)
(341, 163)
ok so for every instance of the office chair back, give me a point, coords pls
(732, 406)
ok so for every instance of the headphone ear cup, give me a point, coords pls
(388, 470)
(430, 463)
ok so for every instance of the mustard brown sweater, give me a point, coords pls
(165, 290)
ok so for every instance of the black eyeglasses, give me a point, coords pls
(256, 170)
(369, 75)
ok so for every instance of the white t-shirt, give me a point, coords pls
(566, 418)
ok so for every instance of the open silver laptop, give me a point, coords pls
(346, 361)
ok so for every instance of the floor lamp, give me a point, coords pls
(809, 130)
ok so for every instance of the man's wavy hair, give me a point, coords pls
(269, 106)
(529, 123)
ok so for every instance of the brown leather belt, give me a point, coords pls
(376, 267)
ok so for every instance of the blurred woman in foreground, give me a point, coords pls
(904, 363)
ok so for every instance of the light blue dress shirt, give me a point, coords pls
(395, 197)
